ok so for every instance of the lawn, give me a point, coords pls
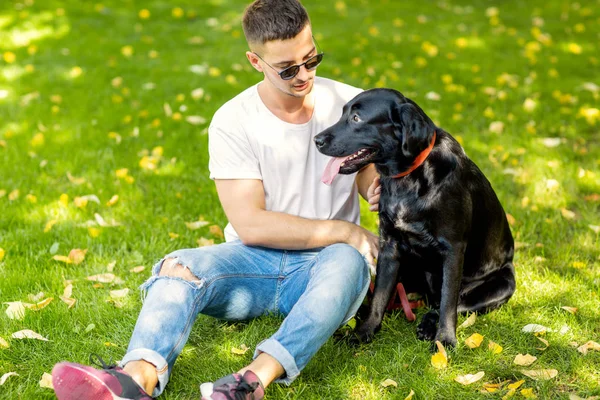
(104, 109)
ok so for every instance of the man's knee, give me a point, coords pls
(171, 267)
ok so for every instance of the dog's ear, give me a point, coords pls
(413, 128)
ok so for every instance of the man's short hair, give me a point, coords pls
(266, 20)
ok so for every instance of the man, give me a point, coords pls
(293, 244)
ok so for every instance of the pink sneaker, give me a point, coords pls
(79, 382)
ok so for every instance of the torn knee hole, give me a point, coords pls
(171, 267)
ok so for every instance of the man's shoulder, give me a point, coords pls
(336, 90)
(235, 106)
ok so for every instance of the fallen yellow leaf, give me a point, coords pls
(113, 200)
(216, 230)
(410, 395)
(474, 340)
(49, 225)
(28, 334)
(509, 394)
(572, 310)
(583, 349)
(64, 259)
(440, 359)
(469, 378)
(104, 278)
(137, 269)
(242, 350)
(524, 360)
(196, 225)
(528, 393)
(494, 347)
(543, 341)
(77, 255)
(3, 344)
(6, 376)
(540, 374)
(2, 253)
(389, 382)
(202, 242)
(40, 305)
(468, 322)
(516, 385)
(46, 381)
(15, 310)
(117, 294)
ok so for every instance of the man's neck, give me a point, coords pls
(290, 109)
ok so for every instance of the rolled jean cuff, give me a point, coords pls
(162, 368)
(273, 348)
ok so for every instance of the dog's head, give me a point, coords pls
(378, 126)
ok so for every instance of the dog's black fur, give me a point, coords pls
(442, 229)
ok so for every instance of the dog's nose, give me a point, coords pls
(320, 141)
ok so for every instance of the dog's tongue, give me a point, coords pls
(332, 169)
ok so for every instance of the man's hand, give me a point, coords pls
(366, 243)
(373, 194)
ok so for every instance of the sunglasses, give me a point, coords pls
(288, 73)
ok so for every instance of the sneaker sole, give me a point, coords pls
(72, 382)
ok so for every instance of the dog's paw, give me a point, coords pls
(427, 328)
(364, 334)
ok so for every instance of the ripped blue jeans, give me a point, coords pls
(316, 290)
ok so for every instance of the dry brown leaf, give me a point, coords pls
(40, 305)
(28, 334)
(493, 387)
(77, 256)
(15, 310)
(474, 340)
(410, 395)
(524, 360)
(572, 310)
(3, 344)
(440, 359)
(516, 384)
(583, 349)
(468, 322)
(469, 378)
(6, 376)
(389, 382)
(118, 294)
(511, 220)
(36, 297)
(543, 341)
(69, 301)
(216, 230)
(46, 381)
(540, 374)
(494, 347)
(242, 350)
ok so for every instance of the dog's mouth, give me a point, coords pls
(347, 165)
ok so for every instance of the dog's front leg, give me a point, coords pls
(452, 276)
(385, 282)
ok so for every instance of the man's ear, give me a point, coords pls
(254, 61)
(413, 128)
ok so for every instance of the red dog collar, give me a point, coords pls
(419, 160)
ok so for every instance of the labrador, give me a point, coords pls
(443, 231)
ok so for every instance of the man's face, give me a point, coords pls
(281, 54)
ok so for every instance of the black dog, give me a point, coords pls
(442, 229)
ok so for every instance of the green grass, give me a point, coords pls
(59, 61)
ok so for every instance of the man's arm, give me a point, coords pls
(244, 203)
(367, 181)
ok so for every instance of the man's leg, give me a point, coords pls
(221, 281)
(319, 292)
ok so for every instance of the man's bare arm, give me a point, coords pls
(244, 203)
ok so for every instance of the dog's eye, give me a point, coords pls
(355, 118)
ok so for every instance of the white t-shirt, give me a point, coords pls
(247, 141)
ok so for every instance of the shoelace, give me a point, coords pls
(98, 361)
